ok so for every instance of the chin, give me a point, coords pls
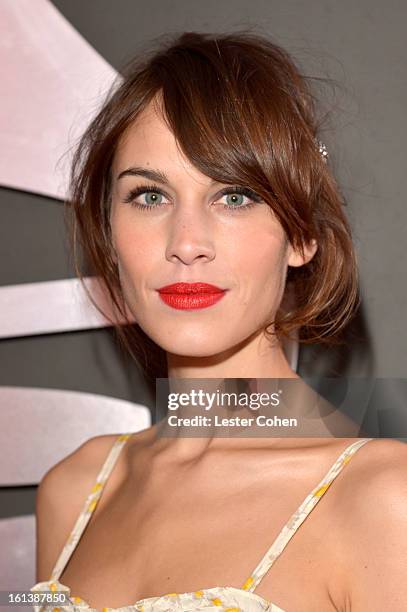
(193, 348)
(198, 343)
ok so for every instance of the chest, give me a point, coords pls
(185, 532)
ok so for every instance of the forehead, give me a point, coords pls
(149, 142)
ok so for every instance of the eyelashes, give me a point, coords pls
(156, 194)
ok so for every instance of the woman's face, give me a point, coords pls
(189, 231)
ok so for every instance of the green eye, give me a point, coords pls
(145, 197)
(235, 199)
(152, 198)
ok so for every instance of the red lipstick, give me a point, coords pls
(189, 296)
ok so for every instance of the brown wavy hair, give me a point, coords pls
(242, 114)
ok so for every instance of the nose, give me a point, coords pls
(190, 237)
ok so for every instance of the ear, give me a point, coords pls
(296, 259)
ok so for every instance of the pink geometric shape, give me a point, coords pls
(53, 83)
(51, 307)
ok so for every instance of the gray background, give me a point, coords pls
(359, 45)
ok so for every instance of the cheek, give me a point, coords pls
(135, 252)
(260, 260)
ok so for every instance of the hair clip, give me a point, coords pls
(323, 150)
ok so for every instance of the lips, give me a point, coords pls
(190, 288)
(189, 296)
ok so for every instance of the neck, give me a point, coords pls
(259, 359)
(264, 361)
(256, 357)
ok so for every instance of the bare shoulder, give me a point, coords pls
(380, 469)
(377, 481)
(376, 527)
(61, 495)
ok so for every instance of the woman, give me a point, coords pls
(203, 173)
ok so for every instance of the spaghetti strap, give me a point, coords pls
(89, 506)
(300, 515)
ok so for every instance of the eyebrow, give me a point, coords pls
(153, 175)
